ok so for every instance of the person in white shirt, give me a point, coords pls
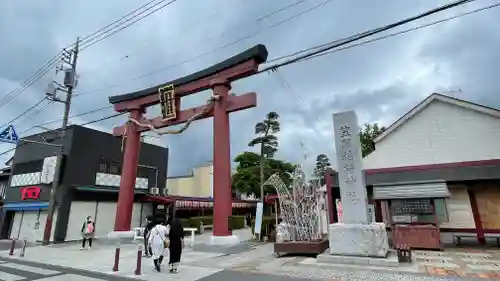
(158, 240)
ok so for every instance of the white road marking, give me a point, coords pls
(70, 277)
(4, 276)
(37, 270)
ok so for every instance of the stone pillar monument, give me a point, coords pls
(355, 235)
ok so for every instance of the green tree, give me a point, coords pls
(322, 164)
(367, 134)
(246, 180)
(268, 142)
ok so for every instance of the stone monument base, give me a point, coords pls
(390, 261)
(362, 240)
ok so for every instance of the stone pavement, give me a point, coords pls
(254, 261)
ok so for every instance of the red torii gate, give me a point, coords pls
(218, 78)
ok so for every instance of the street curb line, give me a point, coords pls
(61, 268)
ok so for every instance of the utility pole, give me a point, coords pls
(69, 84)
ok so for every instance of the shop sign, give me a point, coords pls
(30, 192)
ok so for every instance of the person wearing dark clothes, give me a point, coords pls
(176, 237)
(248, 219)
(147, 230)
(88, 230)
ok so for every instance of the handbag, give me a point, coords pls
(165, 241)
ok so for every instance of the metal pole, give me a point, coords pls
(55, 184)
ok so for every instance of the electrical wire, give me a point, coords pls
(89, 39)
(363, 35)
(36, 76)
(36, 113)
(219, 48)
(70, 117)
(84, 124)
(23, 113)
(404, 31)
(96, 39)
(209, 39)
(342, 42)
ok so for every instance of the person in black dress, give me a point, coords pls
(176, 239)
(149, 225)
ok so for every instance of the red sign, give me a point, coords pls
(30, 192)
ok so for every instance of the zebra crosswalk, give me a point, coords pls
(11, 271)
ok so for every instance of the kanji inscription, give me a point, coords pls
(351, 180)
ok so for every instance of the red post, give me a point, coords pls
(12, 247)
(129, 174)
(138, 266)
(476, 215)
(23, 250)
(222, 159)
(117, 259)
(329, 194)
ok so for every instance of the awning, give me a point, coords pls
(105, 190)
(411, 190)
(31, 206)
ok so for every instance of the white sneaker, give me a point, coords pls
(88, 248)
(81, 248)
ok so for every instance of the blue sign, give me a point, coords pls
(9, 135)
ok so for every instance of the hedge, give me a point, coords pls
(234, 222)
(267, 223)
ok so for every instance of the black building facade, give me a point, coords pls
(89, 183)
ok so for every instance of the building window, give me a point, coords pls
(103, 168)
(114, 168)
(421, 208)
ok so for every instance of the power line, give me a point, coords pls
(23, 113)
(221, 47)
(32, 115)
(368, 34)
(89, 38)
(72, 116)
(59, 129)
(37, 75)
(211, 16)
(94, 40)
(84, 39)
(405, 31)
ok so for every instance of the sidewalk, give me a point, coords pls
(101, 257)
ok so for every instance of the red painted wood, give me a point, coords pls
(476, 216)
(491, 162)
(236, 72)
(222, 159)
(125, 203)
(417, 236)
(234, 103)
(329, 195)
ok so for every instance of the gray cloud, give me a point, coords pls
(380, 80)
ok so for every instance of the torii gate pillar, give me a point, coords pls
(125, 203)
(222, 165)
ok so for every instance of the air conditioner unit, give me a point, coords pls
(155, 191)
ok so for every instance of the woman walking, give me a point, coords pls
(158, 242)
(176, 237)
(147, 231)
(88, 230)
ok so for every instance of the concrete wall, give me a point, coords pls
(440, 133)
(196, 185)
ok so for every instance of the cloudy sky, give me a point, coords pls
(381, 80)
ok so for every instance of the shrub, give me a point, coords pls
(236, 222)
